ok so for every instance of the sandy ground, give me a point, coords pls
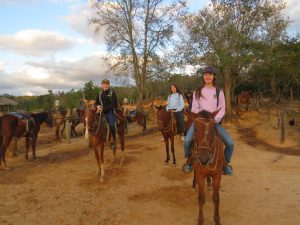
(61, 187)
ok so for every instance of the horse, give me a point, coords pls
(189, 97)
(96, 130)
(136, 116)
(59, 120)
(11, 126)
(77, 116)
(245, 98)
(167, 125)
(208, 160)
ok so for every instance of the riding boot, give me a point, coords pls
(113, 143)
(187, 166)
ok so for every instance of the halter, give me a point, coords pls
(205, 145)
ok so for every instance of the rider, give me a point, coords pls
(176, 104)
(211, 99)
(106, 102)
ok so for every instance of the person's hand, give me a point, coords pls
(172, 110)
(99, 108)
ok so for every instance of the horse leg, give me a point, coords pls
(173, 150)
(63, 129)
(5, 143)
(121, 137)
(194, 180)
(102, 162)
(96, 152)
(201, 197)
(33, 147)
(27, 146)
(208, 180)
(57, 132)
(216, 198)
(167, 150)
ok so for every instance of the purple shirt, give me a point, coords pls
(208, 102)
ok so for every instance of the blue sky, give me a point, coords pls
(48, 44)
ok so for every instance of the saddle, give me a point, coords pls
(24, 120)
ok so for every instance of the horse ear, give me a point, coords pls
(215, 113)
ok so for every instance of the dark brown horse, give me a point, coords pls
(12, 126)
(167, 125)
(243, 98)
(208, 160)
(189, 97)
(96, 130)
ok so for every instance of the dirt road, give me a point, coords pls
(61, 187)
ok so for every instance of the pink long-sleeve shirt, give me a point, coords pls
(208, 102)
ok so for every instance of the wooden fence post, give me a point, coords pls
(282, 127)
(68, 127)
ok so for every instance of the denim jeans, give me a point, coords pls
(225, 136)
(110, 117)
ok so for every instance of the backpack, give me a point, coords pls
(217, 94)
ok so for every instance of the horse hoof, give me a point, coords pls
(6, 168)
(174, 165)
(166, 163)
(101, 179)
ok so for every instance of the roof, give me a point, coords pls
(6, 101)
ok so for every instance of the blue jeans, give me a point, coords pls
(225, 136)
(110, 117)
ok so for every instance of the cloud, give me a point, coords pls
(292, 10)
(78, 20)
(36, 42)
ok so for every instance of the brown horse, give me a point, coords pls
(243, 98)
(208, 160)
(96, 130)
(167, 125)
(77, 116)
(136, 116)
(12, 126)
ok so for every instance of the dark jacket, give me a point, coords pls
(109, 103)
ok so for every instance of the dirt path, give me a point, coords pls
(62, 188)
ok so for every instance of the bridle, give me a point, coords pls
(204, 143)
(171, 125)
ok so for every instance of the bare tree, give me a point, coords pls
(137, 31)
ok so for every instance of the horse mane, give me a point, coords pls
(205, 114)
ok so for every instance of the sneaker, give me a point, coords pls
(227, 170)
(182, 138)
(187, 168)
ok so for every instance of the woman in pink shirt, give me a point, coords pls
(210, 99)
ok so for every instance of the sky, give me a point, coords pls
(48, 44)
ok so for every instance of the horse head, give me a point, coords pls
(205, 132)
(163, 117)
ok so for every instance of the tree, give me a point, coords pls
(223, 33)
(137, 32)
(90, 90)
